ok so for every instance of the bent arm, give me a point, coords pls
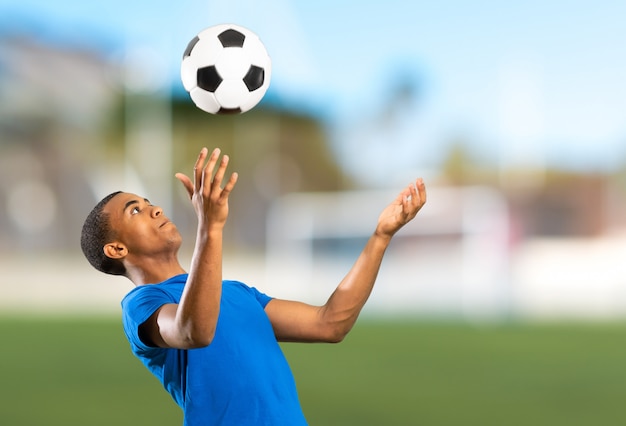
(331, 322)
(296, 321)
(192, 322)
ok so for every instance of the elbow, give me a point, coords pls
(335, 339)
(337, 333)
(196, 338)
(196, 331)
(199, 342)
(334, 328)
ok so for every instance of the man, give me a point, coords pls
(213, 344)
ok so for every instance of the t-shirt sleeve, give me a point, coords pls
(262, 298)
(137, 307)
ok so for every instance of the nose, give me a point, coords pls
(157, 211)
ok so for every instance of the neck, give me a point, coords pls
(153, 272)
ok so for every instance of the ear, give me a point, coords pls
(115, 250)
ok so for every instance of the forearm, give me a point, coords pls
(300, 322)
(198, 309)
(344, 305)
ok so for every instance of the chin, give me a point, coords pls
(174, 236)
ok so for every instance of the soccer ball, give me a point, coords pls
(226, 69)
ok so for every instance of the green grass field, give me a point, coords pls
(80, 372)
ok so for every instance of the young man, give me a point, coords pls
(213, 344)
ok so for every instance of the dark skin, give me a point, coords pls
(148, 243)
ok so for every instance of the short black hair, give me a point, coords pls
(95, 234)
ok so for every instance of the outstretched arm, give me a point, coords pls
(296, 321)
(192, 322)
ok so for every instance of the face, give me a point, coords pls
(140, 227)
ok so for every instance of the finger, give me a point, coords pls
(409, 200)
(408, 194)
(412, 201)
(421, 189)
(229, 186)
(401, 197)
(186, 183)
(198, 167)
(221, 171)
(207, 173)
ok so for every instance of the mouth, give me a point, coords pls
(167, 222)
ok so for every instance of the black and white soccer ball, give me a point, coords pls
(226, 69)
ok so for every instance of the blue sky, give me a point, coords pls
(541, 82)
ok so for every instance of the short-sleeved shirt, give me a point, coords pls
(241, 378)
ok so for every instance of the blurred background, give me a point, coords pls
(514, 114)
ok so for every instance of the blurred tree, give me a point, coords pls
(459, 167)
(275, 152)
(65, 111)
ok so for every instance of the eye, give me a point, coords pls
(134, 210)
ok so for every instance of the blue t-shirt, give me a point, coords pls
(242, 378)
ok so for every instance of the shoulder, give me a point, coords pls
(143, 301)
(238, 286)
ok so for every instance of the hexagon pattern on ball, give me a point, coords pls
(226, 69)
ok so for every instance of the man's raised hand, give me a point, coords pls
(207, 195)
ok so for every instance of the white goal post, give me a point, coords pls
(451, 260)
